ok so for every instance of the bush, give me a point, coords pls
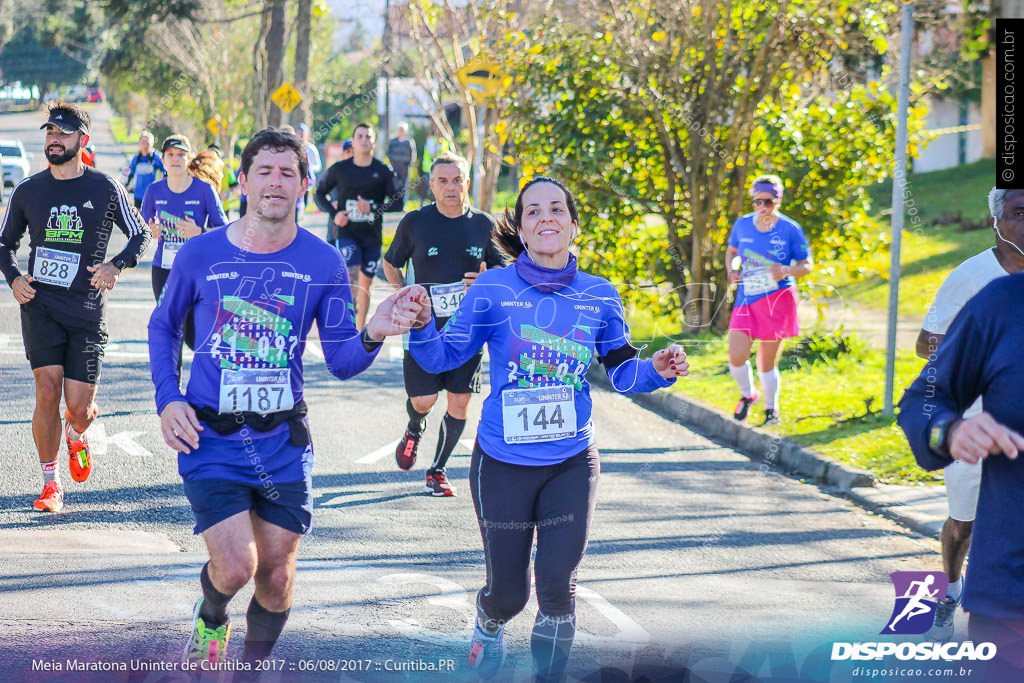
(824, 350)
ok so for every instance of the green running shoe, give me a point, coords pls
(206, 644)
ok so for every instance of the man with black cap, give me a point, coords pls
(68, 211)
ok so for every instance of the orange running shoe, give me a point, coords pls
(51, 499)
(78, 455)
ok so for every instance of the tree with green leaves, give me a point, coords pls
(658, 112)
(24, 59)
(440, 39)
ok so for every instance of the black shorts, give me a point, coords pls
(464, 379)
(74, 344)
(288, 505)
(357, 255)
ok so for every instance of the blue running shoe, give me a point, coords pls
(487, 652)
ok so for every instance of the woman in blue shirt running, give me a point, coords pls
(535, 463)
(178, 208)
(773, 252)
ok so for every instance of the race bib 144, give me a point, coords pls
(540, 414)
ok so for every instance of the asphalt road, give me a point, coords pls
(700, 559)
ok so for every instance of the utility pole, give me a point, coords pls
(899, 183)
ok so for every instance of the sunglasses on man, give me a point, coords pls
(764, 202)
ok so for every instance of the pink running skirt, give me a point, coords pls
(770, 317)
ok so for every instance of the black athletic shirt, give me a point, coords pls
(442, 250)
(69, 224)
(347, 182)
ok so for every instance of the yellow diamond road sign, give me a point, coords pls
(286, 97)
(482, 77)
(216, 125)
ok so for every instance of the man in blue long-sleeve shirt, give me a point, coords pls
(980, 356)
(243, 442)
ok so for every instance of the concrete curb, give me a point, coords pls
(756, 443)
(911, 506)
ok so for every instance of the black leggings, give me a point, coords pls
(511, 500)
(160, 276)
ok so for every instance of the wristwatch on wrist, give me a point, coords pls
(939, 432)
(118, 262)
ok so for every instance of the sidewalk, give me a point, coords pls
(871, 324)
(920, 508)
(110, 156)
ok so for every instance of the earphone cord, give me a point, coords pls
(523, 242)
(995, 224)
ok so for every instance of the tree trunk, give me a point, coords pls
(275, 48)
(492, 166)
(677, 252)
(696, 311)
(303, 31)
(260, 95)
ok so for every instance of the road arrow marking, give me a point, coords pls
(100, 442)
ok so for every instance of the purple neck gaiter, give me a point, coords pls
(545, 279)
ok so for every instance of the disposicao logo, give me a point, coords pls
(917, 594)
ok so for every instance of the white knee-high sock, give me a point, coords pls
(770, 383)
(744, 376)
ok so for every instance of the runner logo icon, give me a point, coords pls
(917, 594)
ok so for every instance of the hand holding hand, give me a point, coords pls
(419, 294)
(395, 315)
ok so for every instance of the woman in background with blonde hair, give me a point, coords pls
(177, 208)
(208, 167)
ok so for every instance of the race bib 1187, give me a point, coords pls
(255, 391)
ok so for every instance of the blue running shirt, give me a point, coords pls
(540, 346)
(783, 244)
(253, 313)
(199, 202)
(144, 171)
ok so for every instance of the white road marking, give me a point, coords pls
(100, 442)
(381, 452)
(630, 634)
